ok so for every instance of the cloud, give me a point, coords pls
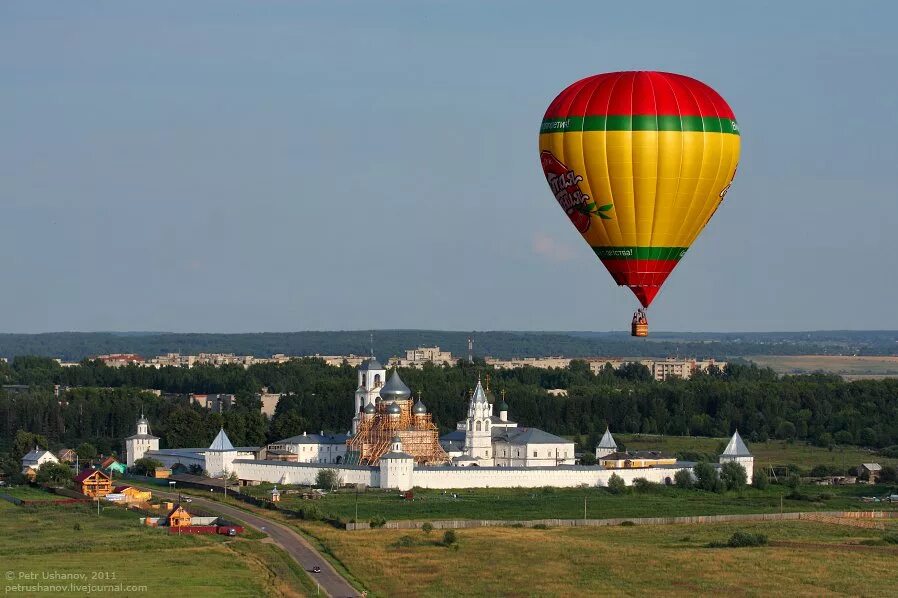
(546, 246)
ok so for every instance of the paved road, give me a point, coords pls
(331, 582)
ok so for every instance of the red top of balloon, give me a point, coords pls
(639, 93)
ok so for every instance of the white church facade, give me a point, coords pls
(484, 439)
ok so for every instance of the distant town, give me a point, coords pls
(662, 369)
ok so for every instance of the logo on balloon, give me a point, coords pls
(565, 186)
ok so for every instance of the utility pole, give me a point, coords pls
(584, 510)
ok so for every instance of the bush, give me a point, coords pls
(627, 524)
(683, 479)
(741, 540)
(377, 522)
(733, 475)
(427, 528)
(888, 474)
(310, 513)
(328, 478)
(706, 477)
(404, 542)
(760, 480)
(793, 482)
(540, 526)
(889, 451)
(616, 484)
(54, 474)
(823, 471)
(643, 485)
(146, 466)
(588, 459)
(450, 537)
(890, 539)
(77, 527)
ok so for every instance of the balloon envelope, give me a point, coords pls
(639, 161)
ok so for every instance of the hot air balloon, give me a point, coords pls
(639, 161)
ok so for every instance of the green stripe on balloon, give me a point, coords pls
(640, 122)
(640, 253)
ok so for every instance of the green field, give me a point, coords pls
(29, 493)
(773, 452)
(115, 549)
(567, 503)
(803, 559)
(850, 367)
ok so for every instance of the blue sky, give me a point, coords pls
(270, 166)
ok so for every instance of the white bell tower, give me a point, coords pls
(478, 433)
(136, 446)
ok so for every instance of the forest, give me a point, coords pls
(99, 404)
(75, 346)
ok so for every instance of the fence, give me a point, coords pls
(473, 523)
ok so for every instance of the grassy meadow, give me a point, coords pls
(849, 367)
(772, 452)
(567, 503)
(29, 493)
(47, 538)
(803, 559)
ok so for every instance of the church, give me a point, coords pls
(484, 439)
(384, 410)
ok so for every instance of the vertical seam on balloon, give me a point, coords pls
(633, 175)
(676, 199)
(688, 89)
(657, 165)
(592, 93)
(605, 143)
(717, 175)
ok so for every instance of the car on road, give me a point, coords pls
(316, 569)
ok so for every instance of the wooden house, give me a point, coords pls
(869, 472)
(161, 472)
(67, 455)
(93, 483)
(133, 494)
(636, 460)
(178, 517)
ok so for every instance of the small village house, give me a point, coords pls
(67, 455)
(93, 483)
(33, 461)
(112, 466)
(161, 473)
(133, 494)
(636, 460)
(869, 472)
(178, 517)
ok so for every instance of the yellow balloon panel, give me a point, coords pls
(663, 186)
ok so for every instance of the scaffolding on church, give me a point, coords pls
(418, 433)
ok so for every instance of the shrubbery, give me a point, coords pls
(642, 485)
(683, 479)
(741, 540)
(616, 484)
(733, 475)
(760, 480)
(706, 477)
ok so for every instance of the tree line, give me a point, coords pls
(103, 403)
(74, 346)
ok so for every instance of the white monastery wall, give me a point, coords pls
(277, 472)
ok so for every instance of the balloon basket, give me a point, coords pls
(639, 329)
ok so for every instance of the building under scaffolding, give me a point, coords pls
(393, 416)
